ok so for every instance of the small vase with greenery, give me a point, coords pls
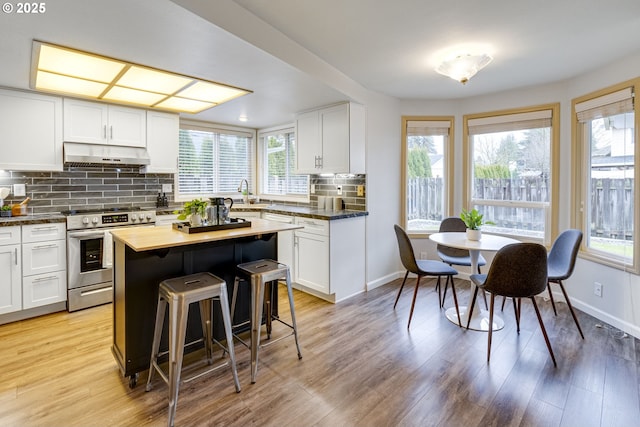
(195, 210)
(5, 210)
(473, 220)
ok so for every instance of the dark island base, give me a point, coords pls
(136, 292)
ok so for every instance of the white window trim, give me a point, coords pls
(438, 123)
(289, 127)
(213, 127)
(579, 105)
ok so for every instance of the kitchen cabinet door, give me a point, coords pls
(163, 133)
(308, 143)
(44, 289)
(10, 279)
(30, 131)
(285, 241)
(44, 257)
(331, 140)
(335, 139)
(312, 261)
(127, 126)
(97, 123)
(85, 121)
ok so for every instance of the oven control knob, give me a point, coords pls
(134, 217)
(85, 220)
(149, 217)
(94, 220)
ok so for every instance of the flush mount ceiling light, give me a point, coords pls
(463, 67)
(64, 70)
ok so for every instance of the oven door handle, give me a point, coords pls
(86, 235)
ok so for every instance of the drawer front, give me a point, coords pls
(43, 232)
(44, 257)
(314, 226)
(10, 235)
(44, 289)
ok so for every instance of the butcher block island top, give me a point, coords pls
(149, 238)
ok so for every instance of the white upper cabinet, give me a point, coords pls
(309, 150)
(331, 140)
(97, 123)
(30, 131)
(162, 142)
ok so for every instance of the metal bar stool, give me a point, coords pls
(178, 293)
(260, 274)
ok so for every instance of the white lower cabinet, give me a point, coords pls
(285, 241)
(44, 289)
(11, 268)
(330, 257)
(44, 264)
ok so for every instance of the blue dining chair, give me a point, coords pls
(422, 268)
(560, 263)
(517, 271)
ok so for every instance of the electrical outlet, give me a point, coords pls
(360, 190)
(339, 190)
(597, 289)
(423, 255)
(313, 189)
(167, 188)
(19, 190)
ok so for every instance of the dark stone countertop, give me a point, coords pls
(32, 219)
(302, 211)
(312, 212)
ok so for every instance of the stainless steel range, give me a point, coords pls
(90, 252)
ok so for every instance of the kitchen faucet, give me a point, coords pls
(245, 198)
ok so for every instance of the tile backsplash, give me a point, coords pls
(86, 188)
(80, 187)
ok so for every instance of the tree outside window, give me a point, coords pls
(510, 179)
(425, 152)
(279, 177)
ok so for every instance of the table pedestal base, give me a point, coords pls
(479, 319)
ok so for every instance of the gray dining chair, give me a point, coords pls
(517, 271)
(422, 268)
(560, 264)
(454, 256)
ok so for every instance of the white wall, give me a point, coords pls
(620, 301)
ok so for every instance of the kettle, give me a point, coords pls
(218, 211)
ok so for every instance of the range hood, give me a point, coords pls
(99, 155)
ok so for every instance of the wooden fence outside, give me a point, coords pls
(612, 202)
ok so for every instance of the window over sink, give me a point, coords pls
(213, 160)
(278, 179)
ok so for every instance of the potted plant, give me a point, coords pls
(5, 210)
(473, 220)
(195, 210)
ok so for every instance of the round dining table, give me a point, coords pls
(489, 243)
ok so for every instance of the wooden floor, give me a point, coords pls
(361, 367)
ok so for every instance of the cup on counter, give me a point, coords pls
(321, 202)
(328, 203)
(337, 203)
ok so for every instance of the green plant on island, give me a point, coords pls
(473, 219)
(197, 206)
(5, 208)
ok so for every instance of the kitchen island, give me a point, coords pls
(143, 257)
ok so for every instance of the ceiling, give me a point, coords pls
(387, 48)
